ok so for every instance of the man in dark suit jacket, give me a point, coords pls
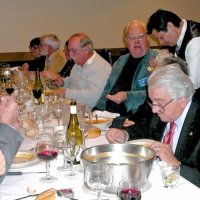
(172, 100)
(10, 139)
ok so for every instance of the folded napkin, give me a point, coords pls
(105, 114)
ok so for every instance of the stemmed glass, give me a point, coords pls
(129, 189)
(98, 177)
(60, 140)
(71, 150)
(46, 151)
(58, 111)
(10, 87)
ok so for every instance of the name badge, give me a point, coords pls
(143, 82)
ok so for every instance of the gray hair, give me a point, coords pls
(51, 40)
(84, 40)
(173, 79)
(134, 22)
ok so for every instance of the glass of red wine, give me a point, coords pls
(129, 189)
(9, 87)
(46, 151)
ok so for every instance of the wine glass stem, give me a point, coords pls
(47, 171)
(99, 195)
(72, 173)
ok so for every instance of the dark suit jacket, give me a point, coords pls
(188, 148)
(10, 142)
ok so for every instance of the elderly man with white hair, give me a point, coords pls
(174, 122)
(55, 59)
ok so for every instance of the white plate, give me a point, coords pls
(102, 122)
(143, 142)
(24, 159)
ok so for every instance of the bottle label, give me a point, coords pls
(73, 109)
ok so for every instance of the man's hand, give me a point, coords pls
(115, 135)
(9, 111)
(118, 98)
(164, 151)
(56, 79)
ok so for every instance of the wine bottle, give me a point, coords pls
(38, 89)
(73, 130)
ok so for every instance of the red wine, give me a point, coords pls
(37, 93)
(9, 90)
(47, 155)
(130, 194)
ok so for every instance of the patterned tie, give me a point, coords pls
(168, 139)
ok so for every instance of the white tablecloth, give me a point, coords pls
(16, 186)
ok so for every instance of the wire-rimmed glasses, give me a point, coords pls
(159, 107)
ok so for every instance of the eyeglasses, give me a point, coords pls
(158, 107)
(74, 51)
(34, 47)
(137, 37)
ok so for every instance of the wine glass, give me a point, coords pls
(58, 111)
(129, 189)
(10, 87)
(71, 150)
(60, 138)
(98, 177)
(46, 151)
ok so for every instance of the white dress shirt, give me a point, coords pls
(192, 56)
(179, 124)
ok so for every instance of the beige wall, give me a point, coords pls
(103, 20)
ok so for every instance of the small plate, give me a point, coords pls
(142, 142)
(24, 159)
(101, 122)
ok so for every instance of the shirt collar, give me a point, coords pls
(180, 39)
(179, 122)
(91, 58)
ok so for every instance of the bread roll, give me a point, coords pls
(47, 195)
(93, 132)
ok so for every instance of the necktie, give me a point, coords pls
(168, 139)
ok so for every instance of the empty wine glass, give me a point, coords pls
(60, 140)
(71, 150)
(58, 111)
(46, 151)
(98, 177)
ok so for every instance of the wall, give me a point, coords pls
(102, 20)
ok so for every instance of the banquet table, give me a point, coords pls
(14, 187)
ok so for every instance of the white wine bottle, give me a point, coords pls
(38, 89)
(73, 130)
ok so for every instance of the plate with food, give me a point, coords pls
(24, 159)
(142, 142)
(101, 122)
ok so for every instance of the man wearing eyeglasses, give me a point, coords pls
(89, 74)
(38, 61)
(172, 31)
(125, 89)
(175, 110)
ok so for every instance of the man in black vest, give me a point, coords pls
(183, 35)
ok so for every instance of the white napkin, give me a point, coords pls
(105, 114)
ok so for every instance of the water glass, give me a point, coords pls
(170, 174)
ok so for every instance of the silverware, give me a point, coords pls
(30, 195)
(21, 173)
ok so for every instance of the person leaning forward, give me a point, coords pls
(125, 89)
(173, 99)
(171, 30)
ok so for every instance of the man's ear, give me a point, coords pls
(170, 25)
